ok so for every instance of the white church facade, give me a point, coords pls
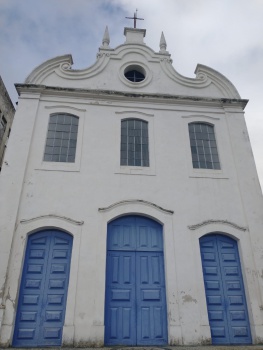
(131, 212)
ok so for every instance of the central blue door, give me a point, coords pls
(43, 290)
(135, 302)
(225, 294)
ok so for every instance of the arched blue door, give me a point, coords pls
(225, 294)
(43, 290)
(135, 302)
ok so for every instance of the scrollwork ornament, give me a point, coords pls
(65, 66)
(201, 76)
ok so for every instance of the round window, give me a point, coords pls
(134, 74)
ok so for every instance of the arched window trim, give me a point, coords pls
(203, 146)
(134, 143)
(61, 139)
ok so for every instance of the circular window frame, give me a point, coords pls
(138, 66)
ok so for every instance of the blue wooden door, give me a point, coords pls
(225, 294)
(43, 290)
(135, 302)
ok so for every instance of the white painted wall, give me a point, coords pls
(37, 194)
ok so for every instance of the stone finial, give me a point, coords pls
(106, 38)
(162, 43)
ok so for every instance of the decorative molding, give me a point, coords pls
(163, 44)
(218, 79)
(226, 222)
(35, 89)
(135, 112)
(200, 116)
(43, 70)
(136, 201)
(66, 107)
(52, 216)
(106, 38)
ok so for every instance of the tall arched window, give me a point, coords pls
(61, 138)
(203, 146)
(134, 142)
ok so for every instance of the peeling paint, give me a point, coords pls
(188, 299)
(8, 297)
(206, 341)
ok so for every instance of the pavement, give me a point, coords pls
(179, 347)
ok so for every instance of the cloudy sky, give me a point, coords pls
(226, 35)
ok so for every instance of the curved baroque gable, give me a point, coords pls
(107, 73)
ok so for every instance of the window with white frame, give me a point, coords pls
(203, 146)
(61, 138)
(134, 143)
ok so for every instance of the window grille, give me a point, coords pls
(134, 143)
(203, 146)
(61, 139)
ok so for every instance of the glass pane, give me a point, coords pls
(49, 150)
(67, 119)
(73, 136)
(194, 150)
(191, 127)
(55, 158)
(56, 150)
(63, 158)
(52, 127)
(216, 166)
(123, 154)
(71, 159)
(58, 135)
(71, 151)
(64, 151)
(49, 142)
(60, 119)
(124, 146)
(47, 157)
(57, 142)
(75, 121)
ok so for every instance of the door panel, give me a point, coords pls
(120, 298)
(135, 310)
(150, 288)
(43, 291)
(225, 294)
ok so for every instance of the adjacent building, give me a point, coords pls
(7, 112)
(131, 211)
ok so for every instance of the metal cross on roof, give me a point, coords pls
(135, 18)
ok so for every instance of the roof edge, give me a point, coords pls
(41, 89)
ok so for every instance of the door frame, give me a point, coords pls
(36, 235)
(252, 289)
(134, 251)
(216, 236)
(165, 218)
(15, 269)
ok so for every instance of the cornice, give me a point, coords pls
(225, 222)
(52, 216)
(136, 201)
(121, 95)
